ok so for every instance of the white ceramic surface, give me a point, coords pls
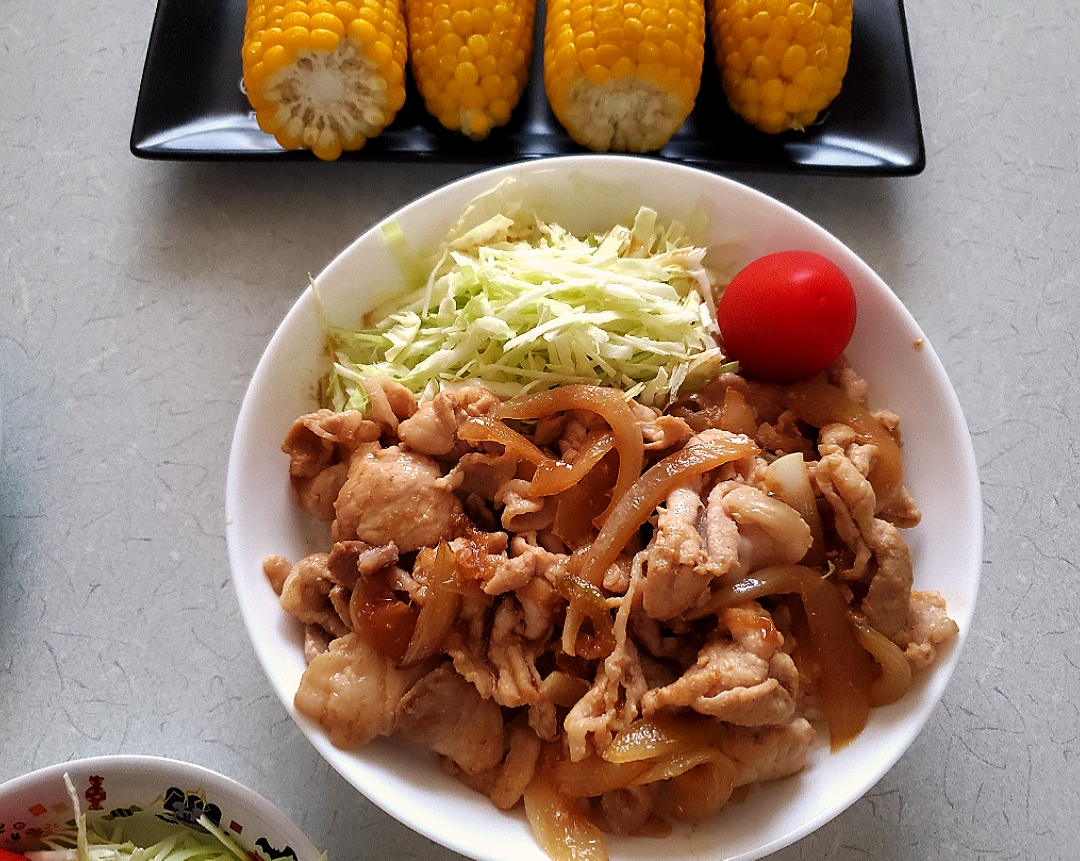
(146, 796)
(590, 193)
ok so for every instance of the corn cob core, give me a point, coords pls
(324, 76)
(623, 75)
(470, 59)
(781, 62)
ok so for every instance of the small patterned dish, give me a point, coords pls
(149, 797)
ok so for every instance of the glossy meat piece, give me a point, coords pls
(446, 713)
(741, 676)
(395, 496)
(352, 691)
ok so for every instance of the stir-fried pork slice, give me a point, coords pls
(482, 474)
(393, 496)
(848, 380)
(319, 446)
(770, 532)
(518, 768)
(307, 595)
(900, 510)
(741, 675)
(328, 602)
(513, 655)
(928, 629)
(352, 691)
(499, 566)
(350, 561)
(318, 495)
(769, 753)
(390, 402)
(540, 605)
(881, 556)
(506, 782)
(466, 644)
(785, 436)
(613, 701)
(276, 568)
(319, 439)
(677, 572)
(517, 680)
(488, 649)
(316, 641)
(446, 713)
(686, 554)
(722, 540)
(506, 573)
(521, 510)
(659, 431)
(432, 429)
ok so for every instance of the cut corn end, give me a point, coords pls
(623, 76)
(781, 62)
(470, 60)
(324, 76)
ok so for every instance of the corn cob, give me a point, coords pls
(470, 60)
(623, 76)
(782, 62)
(325, 76)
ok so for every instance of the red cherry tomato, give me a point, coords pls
(787, 316)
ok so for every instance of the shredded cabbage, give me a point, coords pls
(520, 305)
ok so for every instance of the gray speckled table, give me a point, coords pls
(136, 298)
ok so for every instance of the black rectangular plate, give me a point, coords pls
(191, 107)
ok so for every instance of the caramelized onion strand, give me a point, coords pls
(609, 404)
(894, 679)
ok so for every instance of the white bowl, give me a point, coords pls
(148, 796)
(591, 193)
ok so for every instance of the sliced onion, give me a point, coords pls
(610, 404)
(895, 678)
(640, 501)
(490, 429)
(662, 735)
(736, 415)
(788, 479)
(667, 767)
(563, 689)
(438, 611)
(579, 507)
(701, 790)
(380, 617)
(555, 476)
(593, 776)
(586, 601)
(562, 831)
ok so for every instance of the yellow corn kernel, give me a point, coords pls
(623, 76)
(325, 76)
(782, 62)
(470, 59)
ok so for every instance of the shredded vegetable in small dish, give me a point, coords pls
(101, 842)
